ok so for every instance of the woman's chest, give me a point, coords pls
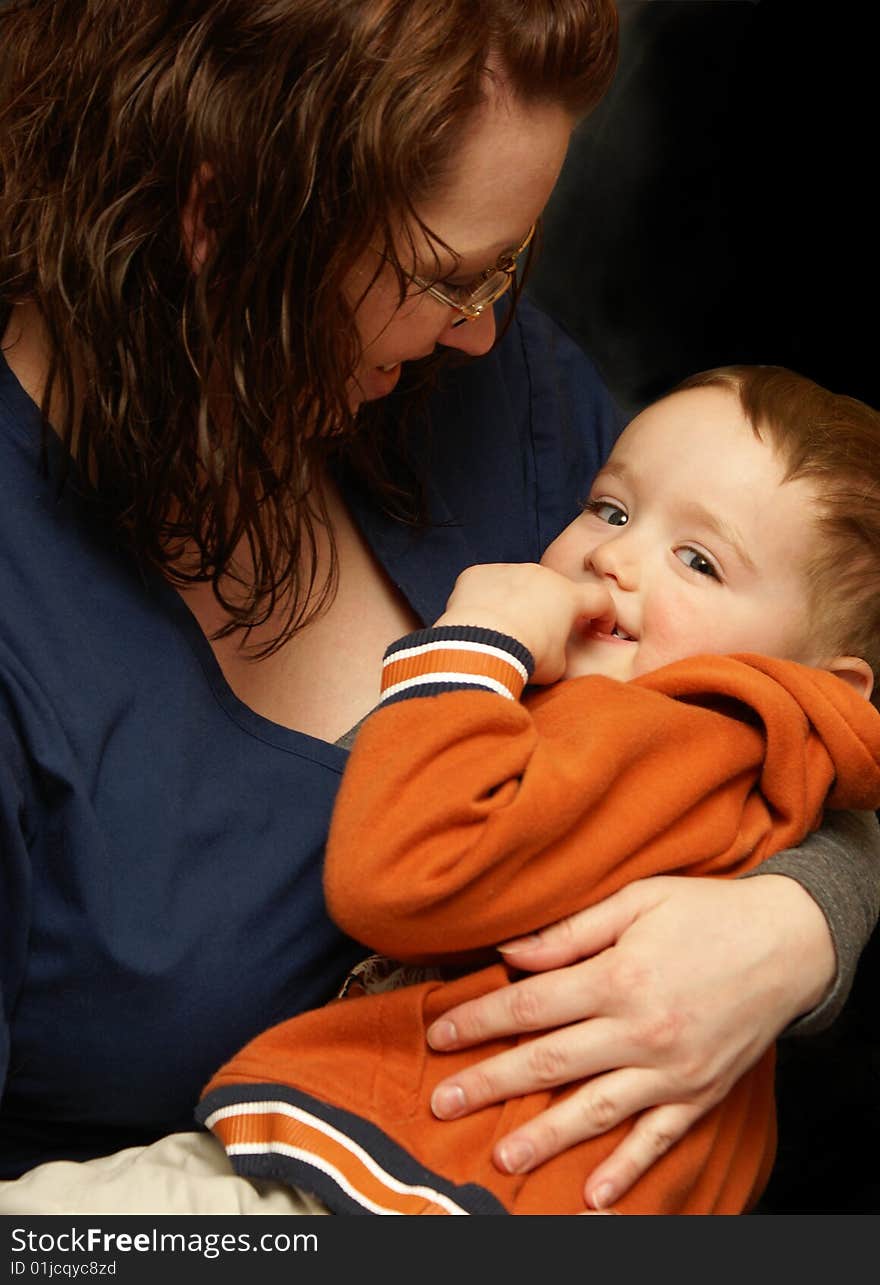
(326, 678)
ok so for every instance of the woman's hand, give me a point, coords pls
(660, 998)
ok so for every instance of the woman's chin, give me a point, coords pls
(374, 382)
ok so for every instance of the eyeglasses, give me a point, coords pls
(475, 296)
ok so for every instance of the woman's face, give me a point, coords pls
(500, 180)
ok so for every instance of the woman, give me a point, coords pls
(227, 231)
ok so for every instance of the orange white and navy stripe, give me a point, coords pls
(431, 661)
(273, 1131)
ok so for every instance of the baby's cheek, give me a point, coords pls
(711, 624)
(566, 553)
(669, 632)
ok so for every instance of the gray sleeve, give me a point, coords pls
(839, 866)
(346, 740)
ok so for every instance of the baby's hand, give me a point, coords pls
(531, 603)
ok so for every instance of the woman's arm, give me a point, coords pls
(664, 994)
(842, 875)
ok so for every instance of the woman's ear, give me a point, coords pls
(194, 225)
(855, 671)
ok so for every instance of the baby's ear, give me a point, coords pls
(855, 671)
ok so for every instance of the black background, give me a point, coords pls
(719, 204)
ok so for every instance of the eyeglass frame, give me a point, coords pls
(506, 266)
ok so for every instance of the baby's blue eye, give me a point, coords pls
(697, 562)
(608, 512)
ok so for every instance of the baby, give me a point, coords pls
(714, 613)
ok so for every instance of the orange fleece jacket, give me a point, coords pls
(465, 819)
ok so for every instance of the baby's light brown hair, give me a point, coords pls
(833, 441)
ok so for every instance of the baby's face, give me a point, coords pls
(700, 542)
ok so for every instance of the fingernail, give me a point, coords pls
(442, 1035)
(602, 1196)
(516, 1156)
(448, 1101)
(521, 943)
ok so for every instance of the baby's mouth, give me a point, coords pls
(617, 632)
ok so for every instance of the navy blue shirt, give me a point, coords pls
(160, 843)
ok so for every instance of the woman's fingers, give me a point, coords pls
(585, 933)
(572, 991)
(650, 1137)
(597, 1106)
(561, 1057)
(536, 1003)
(600, 1104)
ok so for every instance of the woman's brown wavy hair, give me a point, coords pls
(196, 402)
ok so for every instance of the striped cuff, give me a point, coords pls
(454, 658)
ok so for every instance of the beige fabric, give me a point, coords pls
(185, 1173)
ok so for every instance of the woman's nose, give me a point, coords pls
(474, 337)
